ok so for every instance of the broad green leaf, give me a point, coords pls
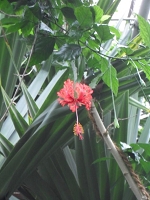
(26, 28)
(42, 50)
(6, 6)
(115, 31)
(94, 43)
(144, 30)
(15, 27)
(146, 148)
(135, 147)
(146, 165)
(68, 13)
(105, 17)
(103, 32)
(9, 21)
(68, 52)
(36, 9)
(97, 13)
(109, 76)
(30, 13)
(84, 16)
(28, 23)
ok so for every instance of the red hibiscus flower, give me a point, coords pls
(75, 95)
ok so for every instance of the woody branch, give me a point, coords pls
(111, 146)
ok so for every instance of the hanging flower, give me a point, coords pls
(78, 130)
(75, 95)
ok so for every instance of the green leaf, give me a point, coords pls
(120, 134)
(81, 67)
(109, 76)
(125, 49)
(144, 30)
(86, 171)
(39, 186)
(105, 17)
(135, 147)
(95, 81)
(50, 92)
(26, 27)
(68, 52)
(102, 159)
(143, 65)
(36, 10)
(68, 13)
(146, 165)
(94, 43)
(115, 31)
(138, 104)
(14, 28)
(97, 13)
(84, 16)
(6, 146)
(5, 6)
(8, 21)
(33, 109)
(103, 32)
(146, 148)
(18, 121)
(29, 151)
(29, 22)
(73, 2)
(42, 50)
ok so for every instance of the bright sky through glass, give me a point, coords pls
(123, 8)
(123, 11)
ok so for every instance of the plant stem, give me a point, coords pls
(139, 192)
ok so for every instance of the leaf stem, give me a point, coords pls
(113, 57)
